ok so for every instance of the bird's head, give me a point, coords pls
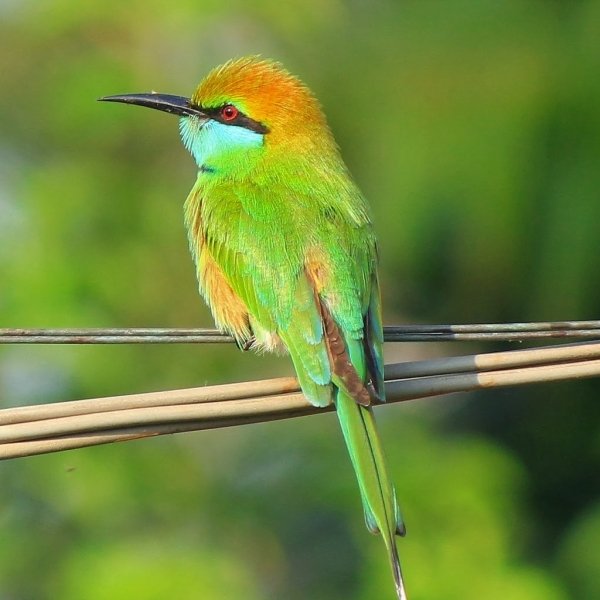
(244, 113)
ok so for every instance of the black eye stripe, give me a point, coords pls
(241, 120)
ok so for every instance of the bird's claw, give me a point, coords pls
(245, 345)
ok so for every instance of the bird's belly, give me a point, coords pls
(228, 310)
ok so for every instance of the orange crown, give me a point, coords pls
(265, 92)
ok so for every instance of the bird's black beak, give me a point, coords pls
(176, 105)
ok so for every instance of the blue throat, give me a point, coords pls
(209, 141)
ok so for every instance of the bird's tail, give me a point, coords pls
(382, 514)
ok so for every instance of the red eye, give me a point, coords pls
(229, 112)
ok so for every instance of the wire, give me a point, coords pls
(30, 430)
(404, 333)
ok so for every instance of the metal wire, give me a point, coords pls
(403, 333)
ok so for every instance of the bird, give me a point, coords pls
(285, 252)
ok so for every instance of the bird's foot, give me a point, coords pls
(246, 345)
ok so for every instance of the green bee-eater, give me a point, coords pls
(285, 251)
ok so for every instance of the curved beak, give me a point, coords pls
(176, 105)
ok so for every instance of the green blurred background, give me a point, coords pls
(473, 126)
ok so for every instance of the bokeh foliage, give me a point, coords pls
(474, 129)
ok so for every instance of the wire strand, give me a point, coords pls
(395, 333)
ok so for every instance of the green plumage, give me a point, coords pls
(286, 252)
(261, 237)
